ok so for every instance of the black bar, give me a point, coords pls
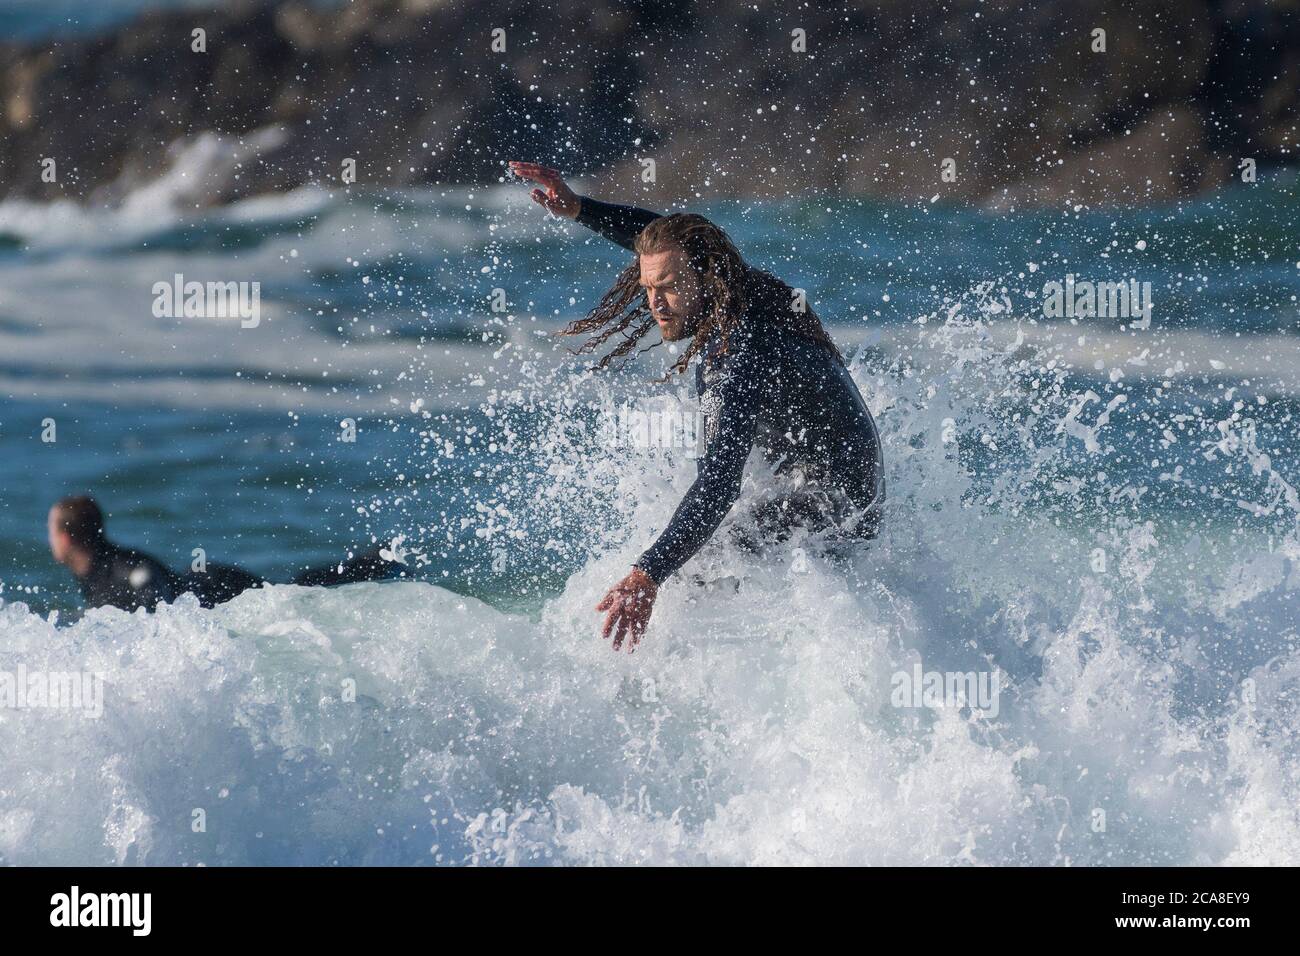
(335, 906)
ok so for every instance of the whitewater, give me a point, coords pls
(1104, 518)
(1148, 713)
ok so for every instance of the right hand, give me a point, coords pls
(628, 605)
(554, 195)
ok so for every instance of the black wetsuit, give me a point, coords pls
(128, 579)
(779, 391)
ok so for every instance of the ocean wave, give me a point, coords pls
(1146, 711)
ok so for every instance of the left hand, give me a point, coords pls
(555, 194)
(629, 604)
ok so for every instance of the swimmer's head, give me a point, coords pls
(76, 527)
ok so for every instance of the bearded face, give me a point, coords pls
(673, 293)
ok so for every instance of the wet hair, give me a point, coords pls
(80, 518)
(728, 287)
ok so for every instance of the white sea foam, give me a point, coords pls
(1148, 714)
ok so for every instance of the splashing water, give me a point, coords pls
(1141, 623)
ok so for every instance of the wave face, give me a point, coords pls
(1127, 572)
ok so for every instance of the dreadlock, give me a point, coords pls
(729, 287)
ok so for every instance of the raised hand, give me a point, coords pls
(554, 194)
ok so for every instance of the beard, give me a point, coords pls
(678, 327)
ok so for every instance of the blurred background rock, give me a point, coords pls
(713, 92)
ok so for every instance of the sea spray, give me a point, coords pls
(1147, 711)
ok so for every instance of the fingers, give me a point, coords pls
(619, 619)
(542, 174)
(626, 621)
(627, 615)
(533, 169)
(621, 632)
(638, 630)
(546, 202)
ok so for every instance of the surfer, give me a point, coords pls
(768, 376)
(128, 579)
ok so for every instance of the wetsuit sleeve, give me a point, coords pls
(618, 224)
(730, 437)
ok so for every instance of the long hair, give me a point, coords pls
(729, 290)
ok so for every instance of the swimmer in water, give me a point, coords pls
(768, 376)
(109, 574)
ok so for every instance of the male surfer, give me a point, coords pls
(769, 376)
(128, 579)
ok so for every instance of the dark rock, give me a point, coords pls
(712, 92)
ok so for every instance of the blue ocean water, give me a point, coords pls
(199, 433)
(32, 19)
(1104, 512)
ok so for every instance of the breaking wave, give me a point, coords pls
(1140, 621)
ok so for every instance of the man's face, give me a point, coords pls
(60, 543)
(672, 291)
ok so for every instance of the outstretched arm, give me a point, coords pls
(629, 603)
(717, 485)
(618, 224)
